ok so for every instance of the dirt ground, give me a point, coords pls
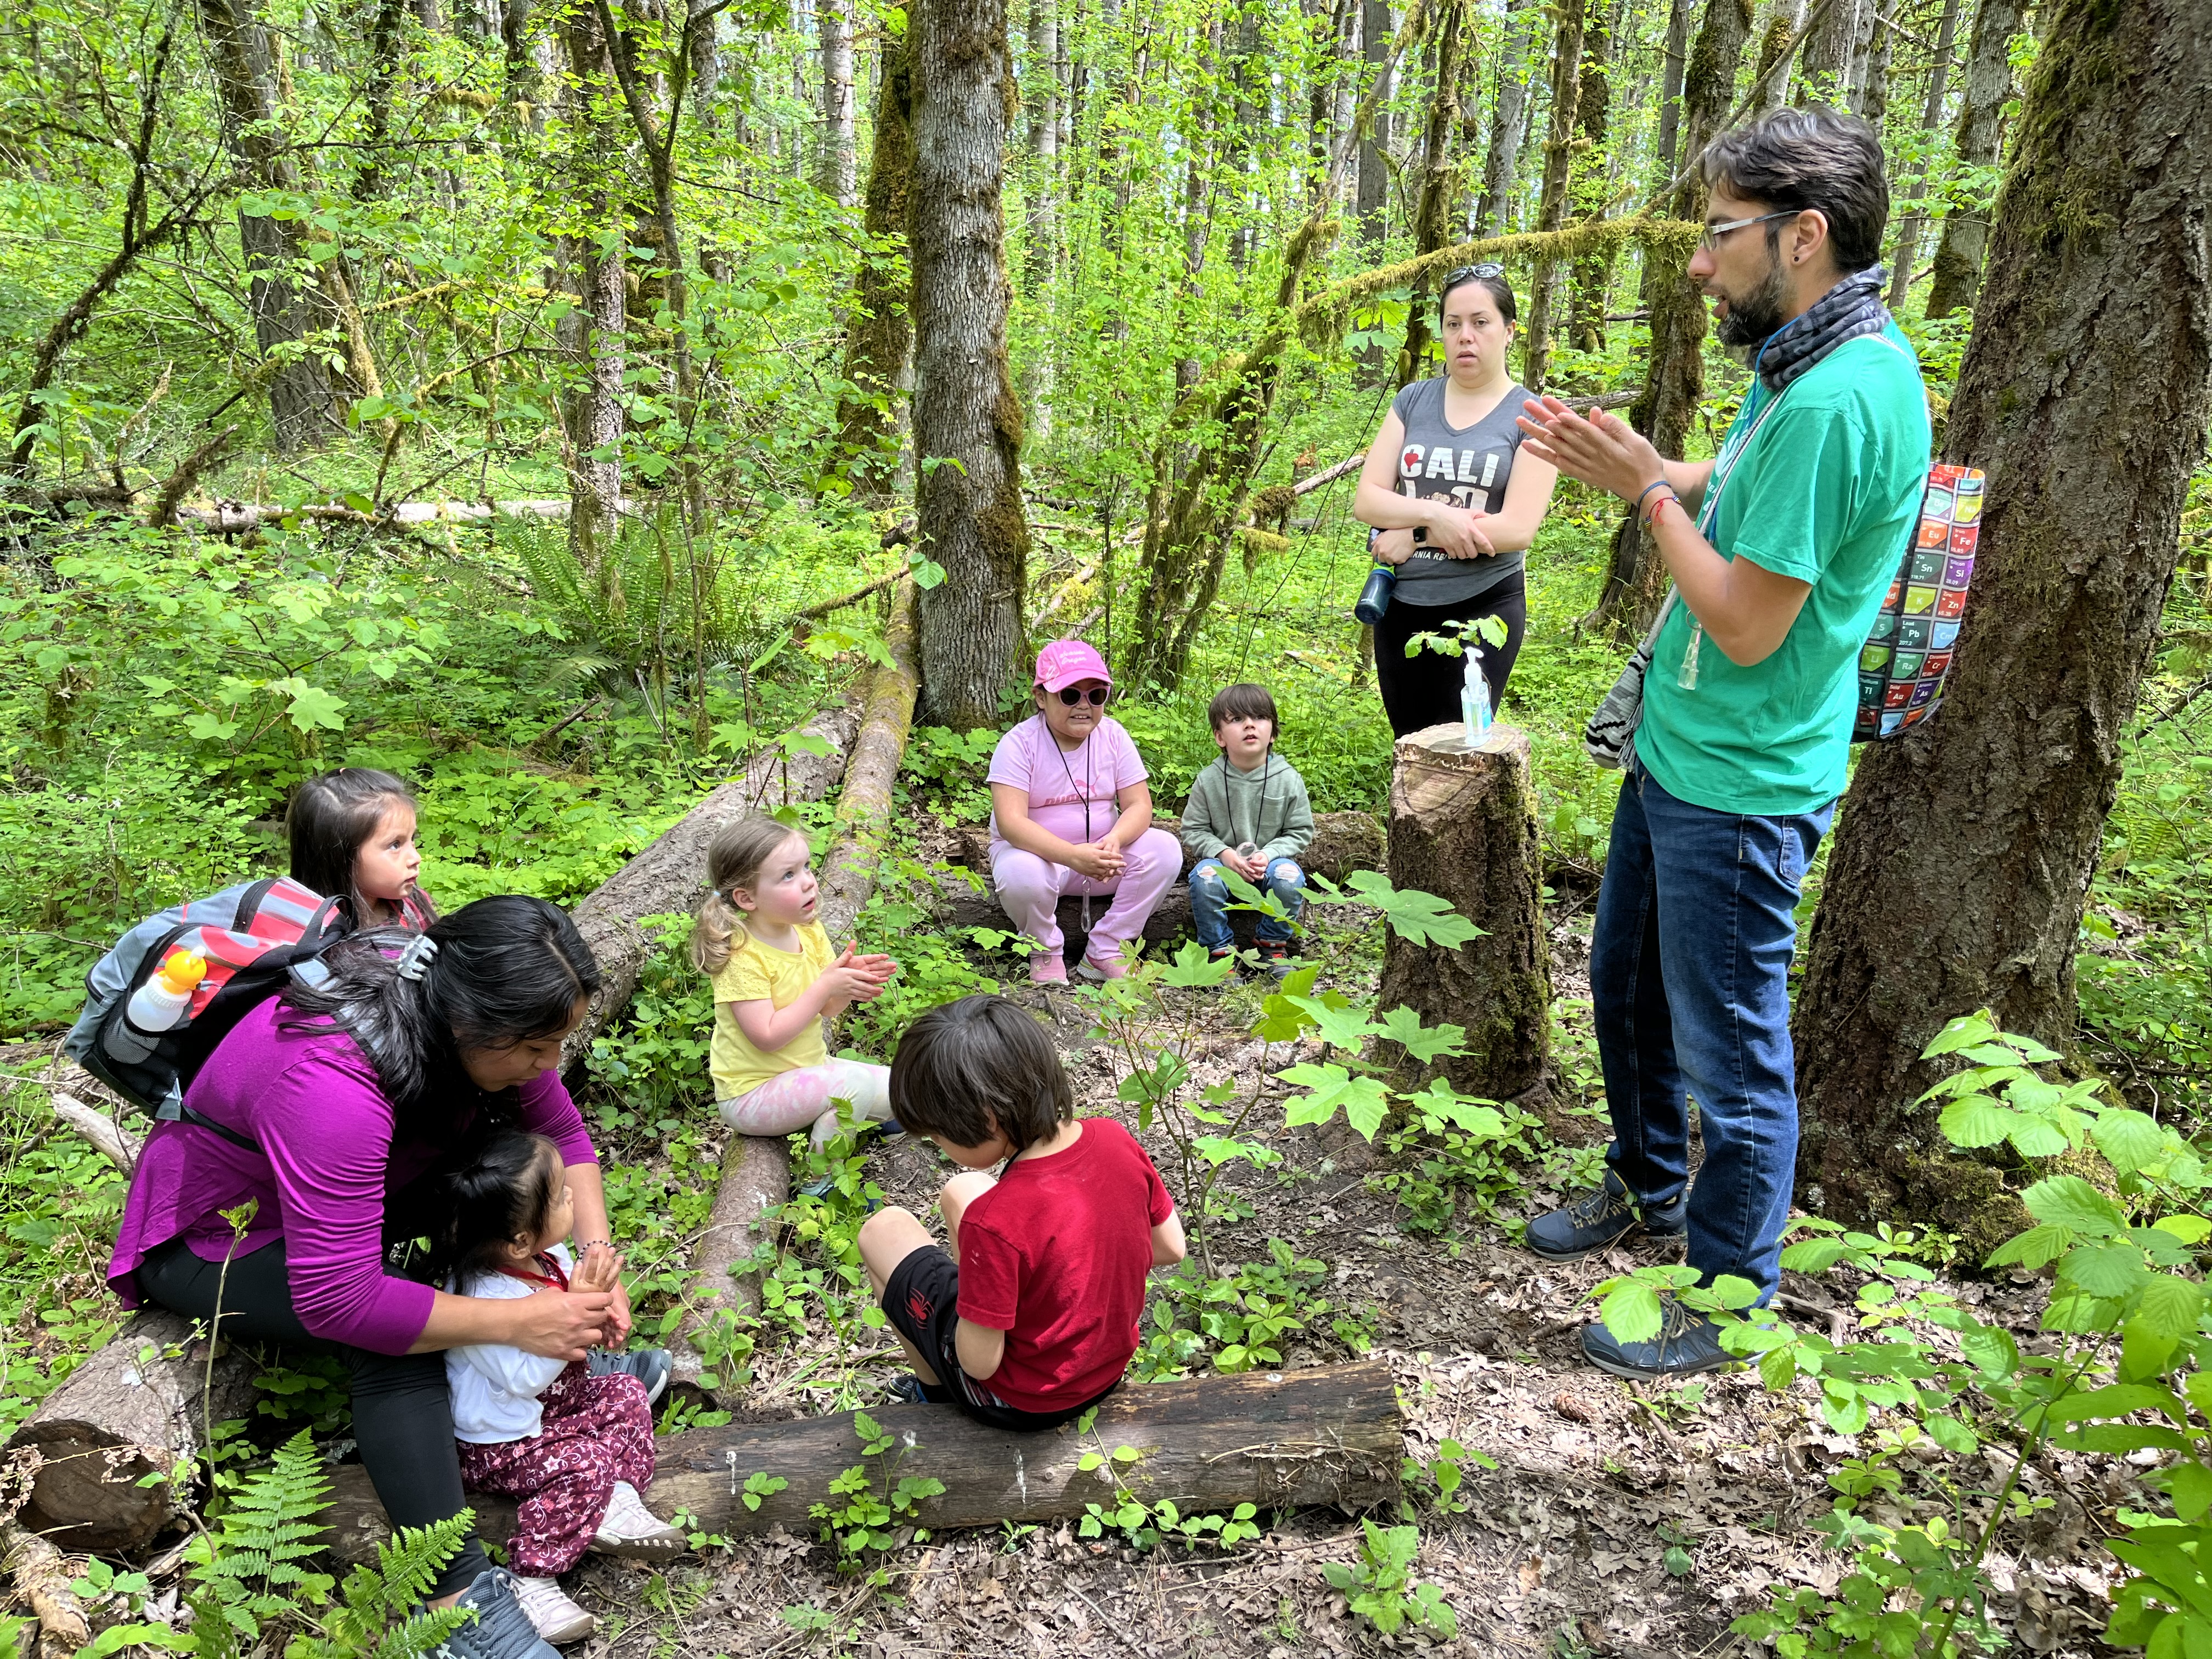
(1564, 1548)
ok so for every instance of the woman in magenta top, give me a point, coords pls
(334, 1109)
(1071, 812)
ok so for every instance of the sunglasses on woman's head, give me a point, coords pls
(1096, 697)
(1482, 272)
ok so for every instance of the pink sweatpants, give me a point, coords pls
(597, 1430)
(800, 1099)
(1030, 888)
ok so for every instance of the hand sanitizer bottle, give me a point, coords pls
(1474, 699)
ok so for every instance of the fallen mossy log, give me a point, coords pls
(755, 1170)
(670, 875)
(1332, 1435)
(138, 1407)
(1342, 842)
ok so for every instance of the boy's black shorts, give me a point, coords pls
(922, 1302)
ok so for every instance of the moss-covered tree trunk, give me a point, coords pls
(1450, 41)
(1551, 199)
(1980, 133)
(1674, 370)
(879, 334)
(1931, 115)
(1964, 849)
(1588, 180)
(967, 420)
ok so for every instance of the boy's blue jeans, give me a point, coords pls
(1690, 988)
(1210, 899)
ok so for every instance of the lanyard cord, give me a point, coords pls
(1085, 793)
(1266, 775)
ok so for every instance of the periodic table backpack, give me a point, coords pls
(1909, 648)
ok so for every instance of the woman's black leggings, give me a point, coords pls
(1423, 690)
(402, 1417)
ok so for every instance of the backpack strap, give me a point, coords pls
(250, 905)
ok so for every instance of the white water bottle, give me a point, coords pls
(159, 1005)
(1474, 698)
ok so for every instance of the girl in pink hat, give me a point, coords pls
(1071, 812)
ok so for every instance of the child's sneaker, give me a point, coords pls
(1047, 970)
(1222, 953)
(1103, 967)
(1274, 957)
(551, 1614)
(630, 1528)
(651, 1366)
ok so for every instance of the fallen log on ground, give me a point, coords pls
(670, 875)
(138, 1407)
(1342, 842)
(1463, 827)
(112, 1140)
(1333, 1435)
(755, 1173)
(40, 1578)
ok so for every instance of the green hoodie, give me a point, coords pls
(1267, 805)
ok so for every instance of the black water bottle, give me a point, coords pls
(1374, 596)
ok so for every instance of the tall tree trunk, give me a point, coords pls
(1552, 203)
(1041, 54)
(1673, 54)
(2084, 396)
(595, 486)
(1450, 40)
(1980, 133)
(1589, 182)
(1774, 79)
(1502, 166)
(1244, 122)
(1197, 192)
(834, 29)
(879, 334)
(706, 64)
(302, 404)
(1826, 63)
(1674, 370)
(967, 420)
(1876, 45)
(1931, 117)
(1345, 92)
(384, 40)
(521, 93)
(1373, 198)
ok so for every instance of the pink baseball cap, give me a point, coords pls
(1068, 662)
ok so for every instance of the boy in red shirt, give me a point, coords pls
(1028, 1316)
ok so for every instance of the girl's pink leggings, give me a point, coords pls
(791, 1101)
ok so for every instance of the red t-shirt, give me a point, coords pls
(1055, 1256)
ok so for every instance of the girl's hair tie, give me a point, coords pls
(421, 951)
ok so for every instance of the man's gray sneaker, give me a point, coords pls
(501, 1629)
(1603, 1218)
(1687, 1343)
(651, 1366)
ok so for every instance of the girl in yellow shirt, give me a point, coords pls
(776, 978)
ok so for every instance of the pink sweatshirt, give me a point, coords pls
(326, 1169)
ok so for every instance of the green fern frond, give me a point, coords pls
(376, 1616)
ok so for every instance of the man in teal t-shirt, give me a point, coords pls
(1781, 548)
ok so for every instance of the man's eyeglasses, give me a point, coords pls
(1710, 239)
(1482, 272)
(1096, 697)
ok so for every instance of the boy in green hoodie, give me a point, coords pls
(1248, 813)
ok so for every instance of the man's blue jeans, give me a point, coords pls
(1690, 987)
(1210, 899)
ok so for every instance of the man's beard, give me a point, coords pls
(1758, 314)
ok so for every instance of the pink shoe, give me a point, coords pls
(1112, 966)
(1047, 970)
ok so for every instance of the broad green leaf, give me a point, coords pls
(1842, 1406)
(2070, 1202)
(1218, 1150)
(2037, 1137)
(1977, 1121)
(2189, 1485)
(2170, 1306)
(2117, 1400)
(1425, 1043)
(1951, 1434)
(2036, 1247)
(2129, 1141)
(1417, 918)
(1731, 1291)
(1778, 1369)
(1195, 970)
(2104, 1270)
(1631, 1311)
(1339, 1027)
(2189, 1229)
(1281, 1019)
(1961, 1033)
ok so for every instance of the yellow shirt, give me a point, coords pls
(756, 971)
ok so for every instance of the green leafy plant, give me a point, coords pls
(1143, 1524)
(1380, 1585)
(870, 1501)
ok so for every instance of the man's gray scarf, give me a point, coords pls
(1851, 308)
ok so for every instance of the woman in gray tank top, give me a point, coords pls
(1455, 505)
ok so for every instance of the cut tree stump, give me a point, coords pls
(1342, 842)
(134, 1408)
(1463, 827)
(670, 875)
(1331, 1435)
(755, 1175)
